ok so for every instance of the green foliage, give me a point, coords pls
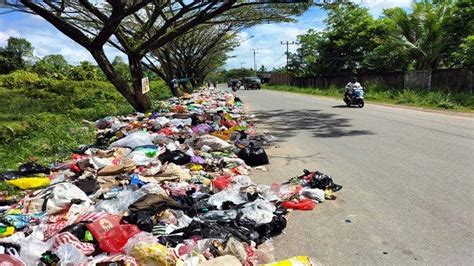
(122, 68)
(465, 55)
(53, 66)
(85, 71)
(45, 118)
(20, 79)
(12, 56)
(351, 37)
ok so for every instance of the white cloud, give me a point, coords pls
(376, 7)
(5, 35)
(266, 38)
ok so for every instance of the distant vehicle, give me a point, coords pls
(230, 82)
(251, 83)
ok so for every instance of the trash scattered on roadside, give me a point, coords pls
(170, 187)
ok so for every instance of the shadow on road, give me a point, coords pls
(345, 106)
(284, 123)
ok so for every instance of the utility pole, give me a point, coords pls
(242, 65)
(254, 60)
(287, 43)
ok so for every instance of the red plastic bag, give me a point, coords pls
(304, 205)
(221, 182)
(116, 238)
(166, 131)
(101, 226)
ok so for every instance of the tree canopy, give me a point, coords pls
(138, 27)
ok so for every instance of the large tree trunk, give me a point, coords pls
(120, 84)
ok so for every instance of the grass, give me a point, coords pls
(434, 99)
(47, 119)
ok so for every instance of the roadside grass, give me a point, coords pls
(434, 99)
(45, 118)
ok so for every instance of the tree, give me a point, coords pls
(122, 68)
(464, 56)
(12, 56)
(351, 35)
(54, 66)
(194, 55)
(458, 26)
(92, 24)
(84, 71)
(422, 31)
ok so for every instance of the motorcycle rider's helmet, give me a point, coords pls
(354, 80)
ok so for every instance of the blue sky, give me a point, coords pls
(47, 40)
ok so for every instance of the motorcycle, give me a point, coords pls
(235, 87)
(355, 97)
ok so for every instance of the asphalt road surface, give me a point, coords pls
(407, 176)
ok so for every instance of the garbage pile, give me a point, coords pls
(170, 187)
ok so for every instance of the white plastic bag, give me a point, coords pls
(55, 198)
(215, 143)
(133, 140)
(124, 199)
(313, 193)
(259, 211)
(229, 194)
(70, 255)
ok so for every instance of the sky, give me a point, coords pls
(267, 37)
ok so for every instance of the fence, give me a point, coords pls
(453, 79)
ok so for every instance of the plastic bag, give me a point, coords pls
(253, 156)
(33, 168)
(293, 261)
(69, 254)
(33, 182)
(215, 143)
(260, 211)
(133, 140)
(141, 219)
(176, 157)
(32, 248)
(314, 193)
(10, 260)
(148, 252)
(230, 194)
(221, 182)
(115, 239)
(120, 204)
(227, 260)
(56, 198)
(304, 205)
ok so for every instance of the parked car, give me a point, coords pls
(251, 83)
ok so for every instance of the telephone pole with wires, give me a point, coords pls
(254, 60)
(287, 43)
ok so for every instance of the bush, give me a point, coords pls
(20, 79)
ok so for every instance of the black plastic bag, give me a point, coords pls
(142, 219)
(9, 175)
(253, 156)
(274, 228)
(323, 182)
(33, 168)
(176, 157)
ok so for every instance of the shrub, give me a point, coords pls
(20, 79)
(406, 96)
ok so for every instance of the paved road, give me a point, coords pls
(407, 176)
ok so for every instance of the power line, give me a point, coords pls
(287, 43)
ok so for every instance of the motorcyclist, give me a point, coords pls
(236, 83)
(352, 86)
